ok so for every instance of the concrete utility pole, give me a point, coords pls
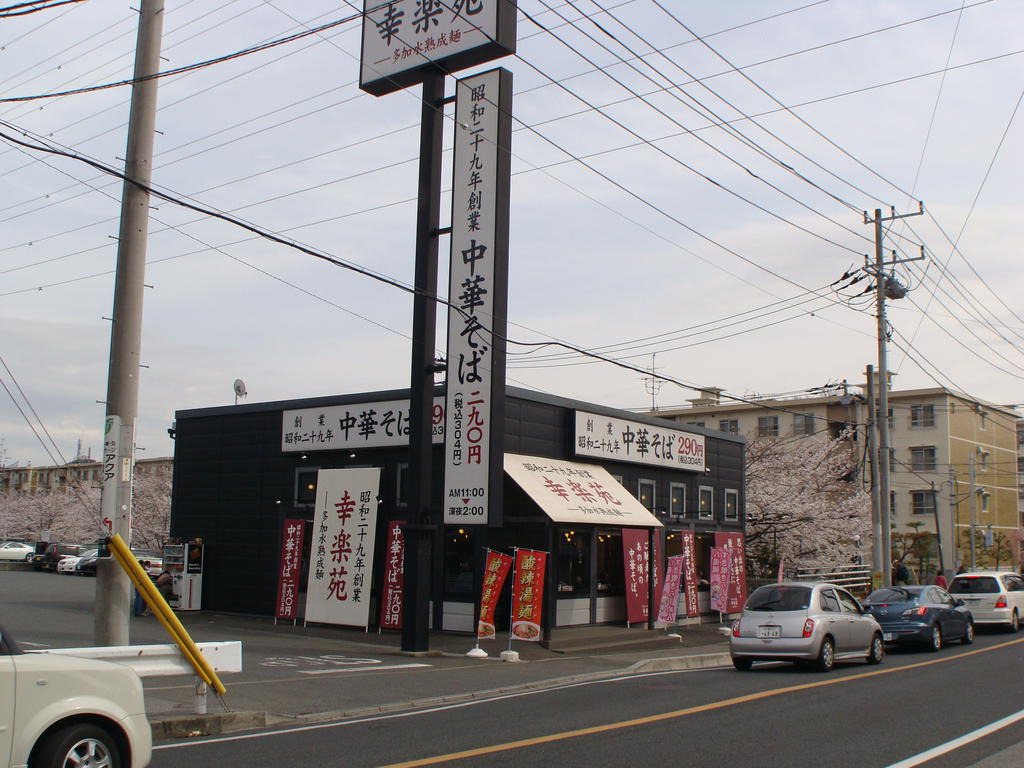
(884, 286)
(113, 588)
(877, 570)
(973, 477)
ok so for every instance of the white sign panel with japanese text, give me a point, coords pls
(477, 292)
(571, 492)
(341, 552)
(604, 437)
(359, 425)
(401, 37)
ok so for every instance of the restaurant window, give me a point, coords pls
(922, 416)
(706, 506)
(732, 426)
(611, 580)
(573, 561)
(458, 562)
(305, 486)
(677, 500)
(645, 493)
(732, 505)
(767, 426)
(923, 502)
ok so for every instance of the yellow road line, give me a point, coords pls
(537, 740)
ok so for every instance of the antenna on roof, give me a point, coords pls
(239, 390)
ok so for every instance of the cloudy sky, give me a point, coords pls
(689, 181)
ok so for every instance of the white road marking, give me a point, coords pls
(955, 744)
(342, 670)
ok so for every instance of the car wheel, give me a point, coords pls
(1014, 621)
(742, 664)
(935, 644)
(826, 655)
(877, 651)
(968, 637)
(77, 745)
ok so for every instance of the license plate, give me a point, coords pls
(769, 631)
(887, 636)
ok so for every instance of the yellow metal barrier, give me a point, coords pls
(164, 614)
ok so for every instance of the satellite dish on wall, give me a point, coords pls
(239, 390)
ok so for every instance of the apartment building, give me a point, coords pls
(954, 460)
(83, 469)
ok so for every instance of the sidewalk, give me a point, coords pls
(296, 674)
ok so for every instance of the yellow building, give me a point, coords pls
(953, 464)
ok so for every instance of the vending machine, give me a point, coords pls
(185, 564)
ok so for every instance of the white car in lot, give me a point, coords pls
(69, 563)
(993, 597)
(15, 550)
(59, 711)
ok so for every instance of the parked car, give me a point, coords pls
(993, 597)
(86, 566)
(804, 622)
(16, 550)
(63, 711)
(57, 552)
(922, 615)
(152, 562)
(69, 563)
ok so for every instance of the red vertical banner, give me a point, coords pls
(394, 577)
(668, 606)
(496, 568)
(635, 548)
(721, 575)
(690, 573)
(738, 569)
(528, 594)
(292, 537)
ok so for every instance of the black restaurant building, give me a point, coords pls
(240, 471)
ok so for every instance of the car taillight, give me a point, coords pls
(808, 627)
(736, 628)
(1001, 602)
(921, 611)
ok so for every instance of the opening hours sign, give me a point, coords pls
(478, 297)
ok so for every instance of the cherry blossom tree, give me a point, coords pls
(804, 505)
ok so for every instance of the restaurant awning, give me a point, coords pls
(573, 492)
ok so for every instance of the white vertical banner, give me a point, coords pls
(478, 297)
(341, 552)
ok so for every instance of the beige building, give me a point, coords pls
(80, 470)
(954, 459)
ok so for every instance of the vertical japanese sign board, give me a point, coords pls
(496, 569)
(478, 298)
(528, 594)
(118, 449)
(292, 537)
(403, 37)
(733, 543)
(394, 578)
(341, 552)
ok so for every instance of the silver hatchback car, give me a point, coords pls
(804, 622)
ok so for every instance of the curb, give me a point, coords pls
(192, 726)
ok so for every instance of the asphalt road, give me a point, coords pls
(775, 715)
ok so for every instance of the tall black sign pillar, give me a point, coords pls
(419, 530)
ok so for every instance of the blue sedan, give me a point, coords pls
(922, 615)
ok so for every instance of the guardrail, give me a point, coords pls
(162, 660)
(856, 578)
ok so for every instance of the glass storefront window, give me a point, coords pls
(305, 486)
(458, 563)
(573, 566)
(610, 576)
